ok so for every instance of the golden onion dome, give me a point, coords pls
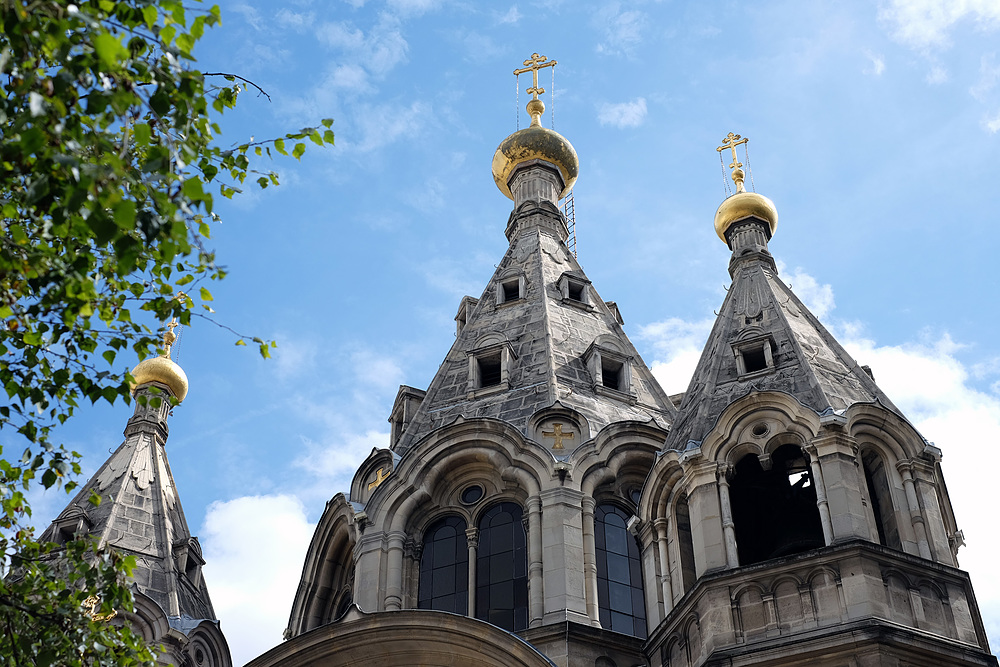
(163, 371)
(535, 143)
(742, 205)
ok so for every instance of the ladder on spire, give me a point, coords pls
(569, 210)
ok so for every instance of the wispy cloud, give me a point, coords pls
(413, 7)
(818, 298)
(621, 29)
(511, 17)
(299, 22)
(677, 346)
(926, 24)
(937, 75)
(623, 114)
(992, 125)
(384, 124)
(876, 64)
(378, 51)
(249, 13)
(989, 75)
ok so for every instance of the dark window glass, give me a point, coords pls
(489, 371)
(444, 567)
(754, 360)
(619, 574)
(611, 373)
(472, 494)
(502, 568)
(511, 290)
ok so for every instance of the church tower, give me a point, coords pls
(140, 514)
(796, 515)
(543, 502)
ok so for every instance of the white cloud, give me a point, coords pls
(877, 65)
(989, 74)
(332, 462)
(413, 7)
(294, 20)
(376, 370)
(622, 30)
(249, 13)
(937, 75)
(254, 547)
(925, 24)
(817, 298)
(623, 114)
(293, 357)
(378, 52)
(384, 124)
(512, 16)
(677, 346)
(992, 125)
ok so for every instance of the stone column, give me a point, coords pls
(841, 482)
(367, 572)
(706, 519)
(394, 571)
(562, 551)
(536, 600)
(590, 560)
(674, 544)
(926, 488)
(821, 502)
(916, 518)
(472, 537)
(662, 526)
(728, 527)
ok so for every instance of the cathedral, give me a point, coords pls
(544, 502)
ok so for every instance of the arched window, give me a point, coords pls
(619, 573)
(775, 510)
(502, 568)
(444, 567)
(880, 494)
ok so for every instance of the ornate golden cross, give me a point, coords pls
(379, 478)
(731, 142)
(169, 337)
(558, 434)
(533, 64)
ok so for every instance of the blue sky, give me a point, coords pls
(874, 128)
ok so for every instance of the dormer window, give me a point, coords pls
(611, 370)
(489, 366)
(575, 290)
(465, 308)
(510, 288)
(754, 356)
(490, 369)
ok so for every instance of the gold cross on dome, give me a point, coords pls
(379, 478)
(533, 64)
(558, 435)
(731, 142)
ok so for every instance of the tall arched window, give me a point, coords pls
(444, 567)
(502, 568)
(880, 494)
(775, 510)
(619, 573)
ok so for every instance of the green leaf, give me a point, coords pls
(109, 49)
(279, 145)
(206, 295)
(299, 149)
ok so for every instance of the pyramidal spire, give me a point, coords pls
(764, 338)
(539, 336)
(140, 514)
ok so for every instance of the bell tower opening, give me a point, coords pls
(775, 509)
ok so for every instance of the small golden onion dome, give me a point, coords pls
(535, 143)
(742, 205)
(164, 371)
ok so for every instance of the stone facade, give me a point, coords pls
(785, 511)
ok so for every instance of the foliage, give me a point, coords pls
(110, 158)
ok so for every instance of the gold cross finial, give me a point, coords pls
(558, 435)
(379, 478)
(731, 142)
(169, 337)
(533, 64)
(535, 106)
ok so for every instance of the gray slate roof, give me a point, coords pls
(548, 335)
(141, 514)
(809, 363)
